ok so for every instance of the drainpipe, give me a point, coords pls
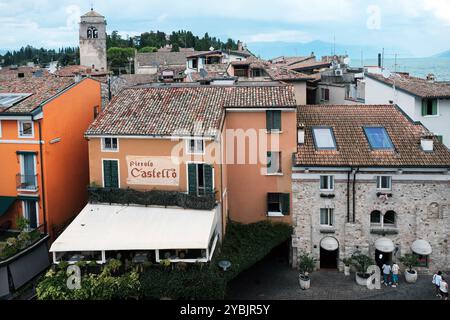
(348, 194)
(355, 172)
(41, 155)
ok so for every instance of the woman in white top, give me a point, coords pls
(444, 289)
(437, 278)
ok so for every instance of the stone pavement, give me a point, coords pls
(273, 279)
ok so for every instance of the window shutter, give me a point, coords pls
(277, 120)
(269, 120)
(209, 179)
(424, 107)
(440, 138)
(107, 174)
(192, 179)
(435, 109)
(286, 203)
(114, 174)
(327, 94)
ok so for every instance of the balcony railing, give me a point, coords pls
(27, 182)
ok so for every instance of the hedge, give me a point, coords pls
(151, 198)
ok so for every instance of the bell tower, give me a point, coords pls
(93, 41)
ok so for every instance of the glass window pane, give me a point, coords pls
(324, 138)
(323, 216)
(378, 138)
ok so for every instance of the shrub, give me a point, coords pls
(409, 261)
(361, 262)
(307, 264)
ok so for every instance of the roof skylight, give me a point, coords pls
(378, 138)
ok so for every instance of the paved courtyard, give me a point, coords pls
(273, 279)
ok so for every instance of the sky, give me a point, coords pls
(416, 27)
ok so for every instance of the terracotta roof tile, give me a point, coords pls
(164, 111)
(353, 149)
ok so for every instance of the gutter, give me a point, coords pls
(44, 203)
(355, 172)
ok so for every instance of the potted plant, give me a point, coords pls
(307, 265)
(361, 262)
(409, 261)
(347, 264)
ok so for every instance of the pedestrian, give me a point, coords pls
(395, 271)
(437, 278)
(387, 274)
(444, 289)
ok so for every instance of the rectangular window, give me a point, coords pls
(273, 120)
(278, 204)
(110, 144)
(96, 112)
(422, 261)
(274, 163)
(325, 94)
(28, 177)
(196, 146)
(26, 129)
(384, 183)
(9, 99)
(326, 183)
(429, 107)
(200, 179)
(378, 138)
(440, 138)
(327, 217)
(324, 138)
(257, 73)
(0, 129)
(111, 174)
(30, 212)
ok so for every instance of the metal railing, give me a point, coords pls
(27, 182)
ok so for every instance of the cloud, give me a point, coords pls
(439, 8)
(281, 35)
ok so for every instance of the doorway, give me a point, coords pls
(329, 259)
(382, 258)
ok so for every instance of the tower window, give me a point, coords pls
(92, 33)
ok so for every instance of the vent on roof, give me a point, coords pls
(21, 75)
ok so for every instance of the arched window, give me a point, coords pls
(375, 217)
(389, 218)
(92, 33)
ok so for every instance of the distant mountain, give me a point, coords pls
(445, 54)
(268, 50)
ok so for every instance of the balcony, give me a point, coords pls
(27, 182)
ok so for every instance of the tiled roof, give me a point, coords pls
(309, 65)
(9, 73)
(157, 59)
(177, 109)
(219, 52)
(92, 13)
(415, 86)
(70, 71)
(41, 89)
(353, 148)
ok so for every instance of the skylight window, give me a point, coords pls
(324, 138)
(9, 99)
(378, 138)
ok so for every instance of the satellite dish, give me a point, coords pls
(386, 73)
(347, 61)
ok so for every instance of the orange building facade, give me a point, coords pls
(44, 164)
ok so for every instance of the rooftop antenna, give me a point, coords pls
(92, 5)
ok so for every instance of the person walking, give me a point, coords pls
(443, 288)
(395, 272)
(387, 274)
(437, 278)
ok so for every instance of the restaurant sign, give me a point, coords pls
(153, 171)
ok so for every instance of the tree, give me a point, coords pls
(148, 49)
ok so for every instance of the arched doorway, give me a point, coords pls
(384, 248)
(329, 253)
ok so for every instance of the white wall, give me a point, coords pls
(337, 95)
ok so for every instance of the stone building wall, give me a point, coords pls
(422, 207)
(93, 51)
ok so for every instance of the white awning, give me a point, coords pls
(329, 244)
(421, 247)
(384, 245)
(124, 228)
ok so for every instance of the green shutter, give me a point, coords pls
(269, 120)
(107, 174)
(277, 120)
(114, 174)
(435, 111)
(208, 179)
(441, 139)
(286, 203)
(192, 179)
(424, 107)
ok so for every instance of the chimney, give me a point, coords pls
(427, 143)
(301, 134)
(379, 60)
(77, 77)
(431, 78)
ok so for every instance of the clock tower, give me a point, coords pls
(93, 41)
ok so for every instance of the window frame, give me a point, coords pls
(281, 199)
(118, 171)
(324, 92)
(425, 109)
(330, 129)
(20, 131)
(330, 217)
(369, 141)
(271, 122)
(269, 162)
(105, 149)
(330, 181)
(213, 177)
(24, 209)
(380, 183)
(189, 151)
